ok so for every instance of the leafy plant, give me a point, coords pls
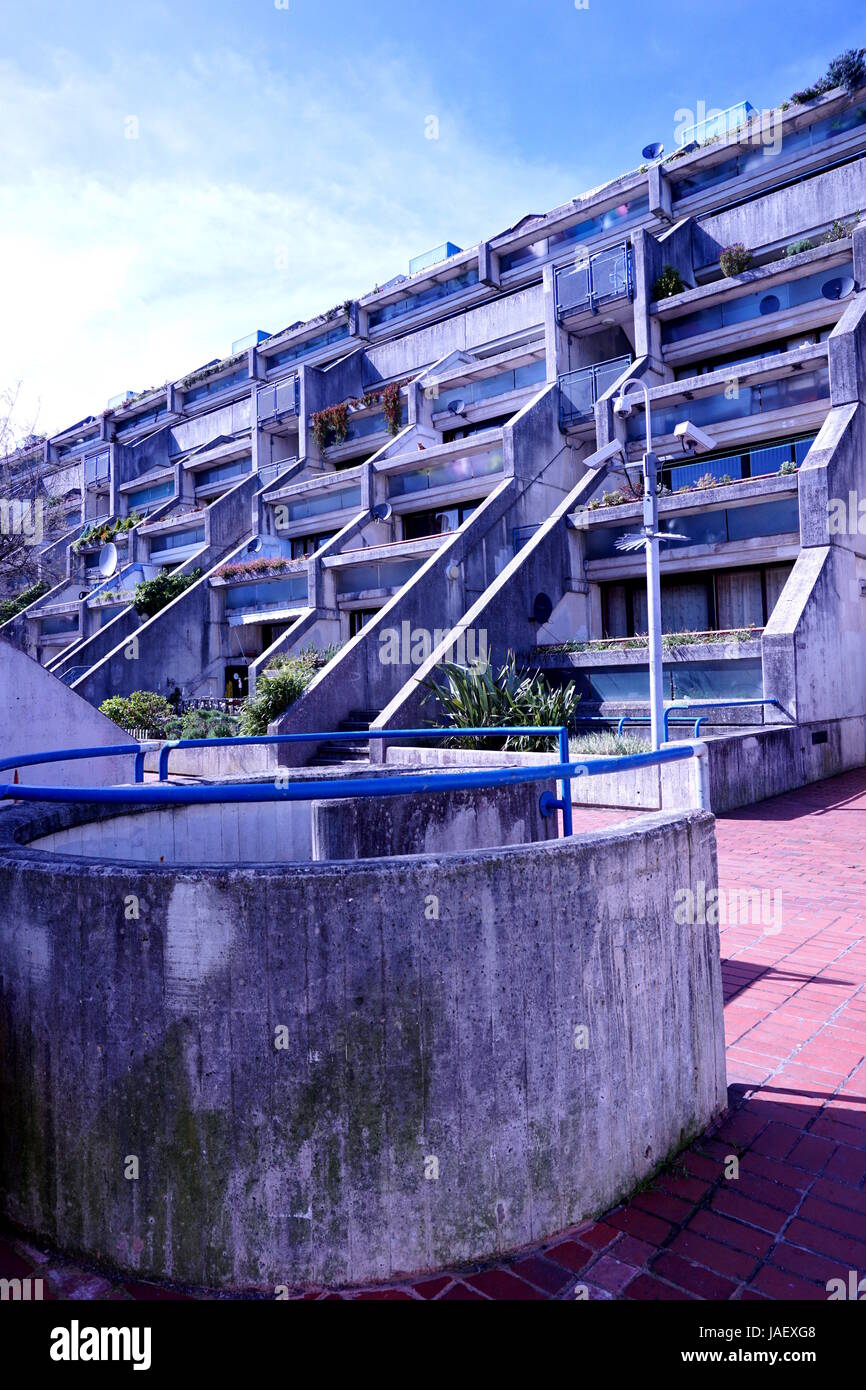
(205, 723)
(475, 697)
(848, 70)
(667, 283)
(788, 467)
(393, 404)
(280, 685)
(812, 93)
(143, 709)
(11, 607)
(273, 564)
(331, 424)
(804, 244)
(735, 259)
(151, 595)
(837, 232)
(103, 532)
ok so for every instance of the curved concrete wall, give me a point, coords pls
(334, 1072)
(282, 833)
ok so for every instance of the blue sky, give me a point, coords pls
(173, 175)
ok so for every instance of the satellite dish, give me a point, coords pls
(770, 304)
(382, 512)
(457, 407)
(542, 608)
(653, 151)
(837, 288)
(255, 546)
(107, 562)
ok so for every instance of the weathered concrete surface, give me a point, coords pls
(274, 832)
(744, 767)
(429, 1008)
(39, 712)
(431, 823)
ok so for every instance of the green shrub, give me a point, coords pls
(151, 595)
(735, 259)
(280, 685)
(804, 244)
(838, 231)
(143, 709)
(848, 70)
(667, 283)
(206, 723)
(475, 697)
(11, 607)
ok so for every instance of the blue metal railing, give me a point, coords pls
(644, 719)
(715, 704)
(166, 794)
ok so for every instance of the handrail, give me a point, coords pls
(715, 704)
(353, 736)
(308, 790)
(645, 719)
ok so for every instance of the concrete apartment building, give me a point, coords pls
(410, 468)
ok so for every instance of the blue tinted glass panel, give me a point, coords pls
(292, 354)
(157, 493)
(223, 472)
(766, 519)
(175, 540)
(431, 295)
(213, 388)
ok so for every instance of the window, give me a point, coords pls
(223, 472)
(725, 600)
(441, 290)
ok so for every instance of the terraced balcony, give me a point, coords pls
(448, 470)
(579, 391)
(605, 278)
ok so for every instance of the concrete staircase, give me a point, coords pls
(331, 752)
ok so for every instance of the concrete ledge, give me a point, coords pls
(743, 767)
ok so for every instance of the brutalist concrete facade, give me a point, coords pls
(415, 460)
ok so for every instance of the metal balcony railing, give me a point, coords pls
(280, 398)
(599, 279)
(579, 390)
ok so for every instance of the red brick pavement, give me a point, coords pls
(795, 1018)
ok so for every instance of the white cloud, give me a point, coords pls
(128, 262)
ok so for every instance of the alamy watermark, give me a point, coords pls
(719, 907)
(760, 129)
(412, 646)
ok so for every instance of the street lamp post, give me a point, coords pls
(653, 573)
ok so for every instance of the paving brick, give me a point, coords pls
(692, 1277)
(500, 1283)
(777, 1283)
(543, 1273)
(431, 1288)
(570, 1255)
(461, 1293)
(645, 1287)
